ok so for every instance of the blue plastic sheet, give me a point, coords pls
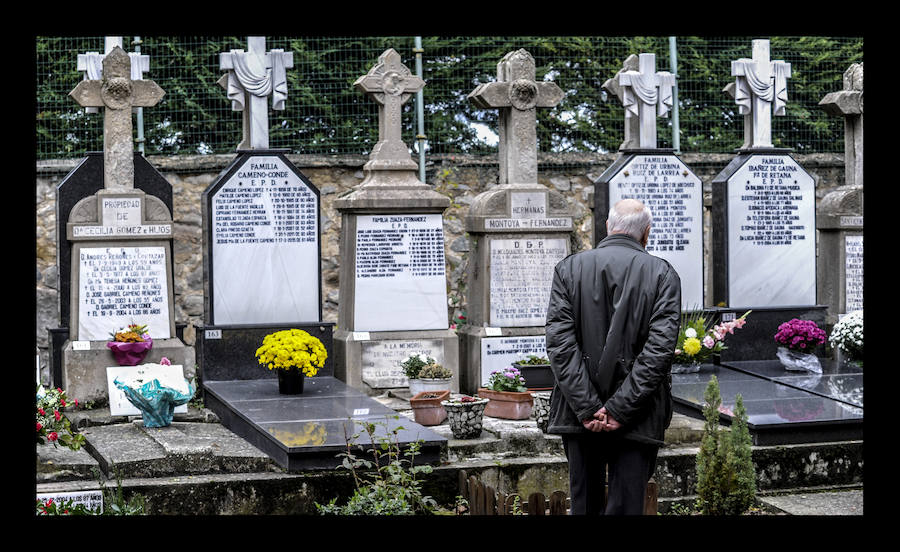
(156, 402)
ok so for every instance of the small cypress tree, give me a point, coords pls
(726, 478)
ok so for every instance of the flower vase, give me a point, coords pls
(509, 405)
(130, 353)
(796, 361)
(685, 368)
(465, 418)
(290, 382)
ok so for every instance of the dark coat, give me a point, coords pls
(612, 327)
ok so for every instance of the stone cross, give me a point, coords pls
(632, 128)
(760, 89)
(391, 84)
(517, 95)
(646, 94)
(849, 104)
(251, 77)
(92, 63)
(118, 94)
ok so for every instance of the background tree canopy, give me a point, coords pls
(325, 114)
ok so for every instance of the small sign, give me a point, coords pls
(851, 221)
(213, 334)
(81, 345)
(360, 411)
(728, 316)
(492, 331)
(92, 499)
(360, 336)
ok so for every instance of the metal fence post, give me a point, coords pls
(673, 63)
(420, 110)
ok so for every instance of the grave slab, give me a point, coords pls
(777, 413)
(839, 381)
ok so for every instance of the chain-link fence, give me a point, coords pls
(325, 114)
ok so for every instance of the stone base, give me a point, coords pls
(84, 372)
(348, 358)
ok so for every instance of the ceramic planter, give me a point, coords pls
(427, 409)
(510, 405)
(465, 418)
(418, 385)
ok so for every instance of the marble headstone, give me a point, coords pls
(393, 281)
(520, 229)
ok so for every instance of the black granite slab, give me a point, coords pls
(777, 413)
(307, 431)
(756, 340)
(839, 381)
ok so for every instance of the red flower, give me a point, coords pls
(58, 389)
(76, 402)
(62, 402)
(53, 436)
(41, 412)
(39, 426)
(56, 415)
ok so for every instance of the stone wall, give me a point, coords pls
(460, 177)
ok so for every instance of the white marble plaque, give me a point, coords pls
(675, 197)
(400, 273)
(118, 286)
(265, 249)
(528, 205)
(771, 233)
(121, 211)
(521, 272)
(381, 359)
(853, 273)
(498, 353)
(171, 376)
(90, 499)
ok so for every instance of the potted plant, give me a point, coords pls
(425, 374)
(797, 339)
(130, 344)
(295, 354)
(427, 408)
(698, 341)
(465, 415)
(509, 398)
(847, 338)
(536, 371)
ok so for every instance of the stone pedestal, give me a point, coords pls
(840, 265)
(661, 181)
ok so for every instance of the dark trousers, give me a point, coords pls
(630, 465)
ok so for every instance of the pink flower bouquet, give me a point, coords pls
(130, 345)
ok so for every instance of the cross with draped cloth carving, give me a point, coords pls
(391, 84)
(251, 77)
(117, 93)
(517, 95)
(646, 94)
(760, 90)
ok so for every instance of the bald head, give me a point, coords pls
(631, 217)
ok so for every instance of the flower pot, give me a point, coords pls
(796, 361)
(681, 368)
(427, 409)
(290, 382)
(538, 377)
(541, 409)
(130, 353)
(465, 419)
(418, 385)
(509, 405)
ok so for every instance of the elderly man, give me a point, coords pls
(612, 325)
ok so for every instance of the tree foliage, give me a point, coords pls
(325, 114)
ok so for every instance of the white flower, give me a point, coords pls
(690, 332)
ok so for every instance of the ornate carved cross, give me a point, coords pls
(92, 63)
(517, 95)
(117, 93)
(391, 84)
(760, 89)
(646, 94)
(251, 77)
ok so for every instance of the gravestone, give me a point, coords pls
(92, 63)
(520, 230)
(840, 215)
(655, 176)
(261, 234)
(121, 243)
(393, 283)
(763, 214)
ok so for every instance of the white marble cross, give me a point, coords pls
(92, 63)
(391, 84)
(646, 94)
(760, 90)
(251, 77)
(517, 95)
(117, 93)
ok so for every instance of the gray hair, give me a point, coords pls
(629, 216)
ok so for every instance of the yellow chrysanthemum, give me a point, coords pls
(692, 346)
(292, 349)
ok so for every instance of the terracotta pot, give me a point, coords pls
(510, 405)
(427, 409)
